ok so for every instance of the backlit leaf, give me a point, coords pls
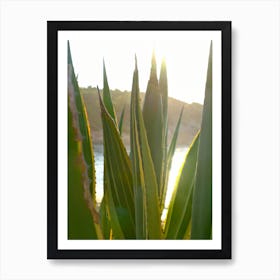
(202, 197)
(153, 119)
(168, 160)
(82, 216)
(144, 180)
(121, 120)
(107, 99)
(118, 180)
(180, 207)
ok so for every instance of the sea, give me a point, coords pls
(177, 162)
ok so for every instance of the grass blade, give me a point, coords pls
(153, 119)
(118, 179)
(180, 207)
(202, 197)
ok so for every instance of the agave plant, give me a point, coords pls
(135, 184)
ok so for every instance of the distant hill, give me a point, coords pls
(191, 119)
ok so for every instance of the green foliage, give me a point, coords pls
(202, 197)
(179, 213)
(153, 119)
(118, 177)
(168, 161)
(144, 177)
(163, 90)
(82, 217)
(121, 120)
(107, 96)
(80, 122)
(135, 186)
(104, 218)
(78, 210)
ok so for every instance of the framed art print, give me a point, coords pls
(139, 140)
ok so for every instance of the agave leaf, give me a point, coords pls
(202, 197)
(163, 90)
(121, 120)
(104, 219)
(173, 143)
(147, 212)
(170, 154)
(137, 168)
(77, 207)
(81, 172)
(180, 207)
(153, 119)
(117, 230)
(107, 99)
(118, 179)
(79, 112)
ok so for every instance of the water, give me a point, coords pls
(177, 162)
(99, 169)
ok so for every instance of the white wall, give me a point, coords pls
(255, 102)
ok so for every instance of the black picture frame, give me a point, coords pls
(52, 130)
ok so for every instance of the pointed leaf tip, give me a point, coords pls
(107, 98)
(154, 54)
(154, 64)
(99, 94)
(69, 53)
(136, 67)
(104, 71)
(163, 63)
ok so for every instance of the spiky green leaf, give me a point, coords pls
(121, 120)
(153, 119)
(163, 90)
(81, 120)
(202, 197)
(82, 216)
(180, 207)
(104, 219)
(118, 180)
(107, 99)
(80, 221)
(147, 212)
(168, 160)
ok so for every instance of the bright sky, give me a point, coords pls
(186, 61)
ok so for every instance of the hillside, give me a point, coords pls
(190, 124)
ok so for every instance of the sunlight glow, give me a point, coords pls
(186, 62)
(177, 162)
